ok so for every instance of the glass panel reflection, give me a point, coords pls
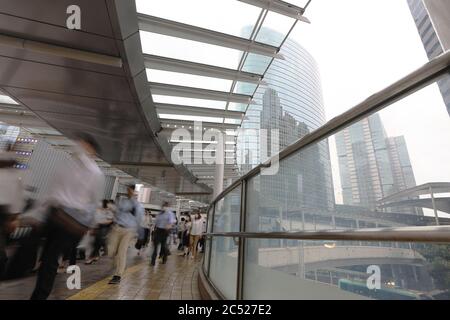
(223, 266)
(327, 270)
(379, 172)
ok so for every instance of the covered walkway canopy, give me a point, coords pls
(136, 71)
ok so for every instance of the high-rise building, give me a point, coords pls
(372, 165)
(430, 40)
(290, 101)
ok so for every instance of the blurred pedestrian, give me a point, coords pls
(128, 218)
(196, 233)
(73, 197)
(144, 232)
(181, 228)
(104, 219)
(187, 235)
(163, 224)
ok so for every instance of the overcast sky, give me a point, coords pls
(363, 46)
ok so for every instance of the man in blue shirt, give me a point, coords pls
(128, 218)
(163, 224)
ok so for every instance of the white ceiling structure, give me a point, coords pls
(197, 70)
(184, 44)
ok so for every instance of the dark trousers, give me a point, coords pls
(180, 240)
(160, 238)
(142, 242)
(100, 236)
(201, 243)
(60, 238)
(71, 254)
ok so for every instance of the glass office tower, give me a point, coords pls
(290, 101)
(430, 41)
(372, 165)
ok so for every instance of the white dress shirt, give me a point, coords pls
(11, 190)
(77, 187)
(197, 227)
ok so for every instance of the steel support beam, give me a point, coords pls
(162, 108)
(281, 7)
(185, 31)
(199, 69)
(196, 93)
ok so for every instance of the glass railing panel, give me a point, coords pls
(386, 170)
(224, 251)
(328, 270)
(207, 240)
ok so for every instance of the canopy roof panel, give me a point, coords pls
(195, 55)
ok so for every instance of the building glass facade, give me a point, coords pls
(430, 42)
(372, 165)
(290, 102)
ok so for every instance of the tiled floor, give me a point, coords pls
(177, 279)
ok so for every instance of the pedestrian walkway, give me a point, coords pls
(177, 279)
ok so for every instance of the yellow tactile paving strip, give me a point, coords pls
(176, 280)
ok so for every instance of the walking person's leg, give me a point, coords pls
(73, 253)
(97, 245)
(146, 237)
(191, 245)
(121, 264)
(113, 242)
(58, 241)
(180, 240)
(164, 249)
(194, 246)
(156, 242)
(113, 248)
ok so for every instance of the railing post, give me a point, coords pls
(242, 242)
(211, 238)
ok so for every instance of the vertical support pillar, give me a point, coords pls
(220, 166)
(211, 221)
(115, 189)
(178, 209)
(434, 206)
(242, 243)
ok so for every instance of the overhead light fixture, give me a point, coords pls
(50, 49)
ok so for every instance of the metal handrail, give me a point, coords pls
(435, 234)
(413, 82)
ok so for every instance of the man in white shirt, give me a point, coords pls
(73, 198)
